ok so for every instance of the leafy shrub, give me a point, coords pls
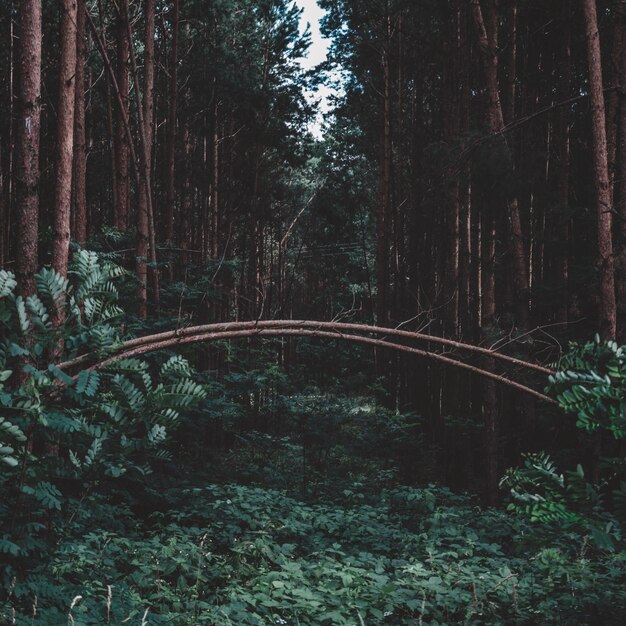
(591, 384)
(62, 435)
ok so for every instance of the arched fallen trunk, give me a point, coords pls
(136, 348)
(253, 326)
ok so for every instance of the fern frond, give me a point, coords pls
(52, 286)
(22, 315)
(87, 383)
(128, 393)
(38, 312)
(176, 366)
(7, 283)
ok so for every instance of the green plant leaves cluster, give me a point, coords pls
(66, 432)
(231, 554)
(590, 384)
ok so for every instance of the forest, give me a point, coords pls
(312, 312)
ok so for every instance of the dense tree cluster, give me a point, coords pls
(469, 181)
(234, 351)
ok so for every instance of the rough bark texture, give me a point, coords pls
(145, 109)
(80, 154)
(607, 306)
(620, 198)
(121, 138)
(65, 137)
(28, 127)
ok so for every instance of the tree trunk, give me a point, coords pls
(452, 190)
(80, 155)
(563, 171)
(184, 233)
(612, 98)
(65, 137)
(171, 139)
(145, 226)
(488, 312)
(28, 126)
(488, 47)
(384, 213)
(607, 306)
(621, 177)
(123, 113)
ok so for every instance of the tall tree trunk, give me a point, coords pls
(80, 155)
(621, 177)
(121, 218)
(509, 113)
(452, 192)
(184, 233)
(563, 172)
(607, 305)
(612, 98)
(171, 135)
(6, 173)
(28, 127)
(488, 312)
(145, 109)
(214, 176)
(488, 47)
(65, 137)
(384, 212)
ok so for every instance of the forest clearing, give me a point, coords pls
(312, 312)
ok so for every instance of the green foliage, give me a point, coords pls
(62, 432)
(231, 554)
(118, 505)
(591, 384)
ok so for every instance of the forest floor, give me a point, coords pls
(299, 529)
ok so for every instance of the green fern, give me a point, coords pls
(10, 435)
(22, 315)
(87, 383)
(52, 287)
(7, 283)
(46, 493)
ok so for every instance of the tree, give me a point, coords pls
(607, 307)
(170, 200)
(121, 171)
(488, 48)
(28, 128)
(79, 229)
(65, 137)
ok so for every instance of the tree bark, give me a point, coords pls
(65, 137)
(145, 109)
(123, 112)
(384, 212)
(607, 305)
(172, 125)
(621, 177)
(563, 173)
(184, 233)
(80, 154)
(488, 47)
(28, 127)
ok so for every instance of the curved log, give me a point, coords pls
(173, 341)
(314, 325)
